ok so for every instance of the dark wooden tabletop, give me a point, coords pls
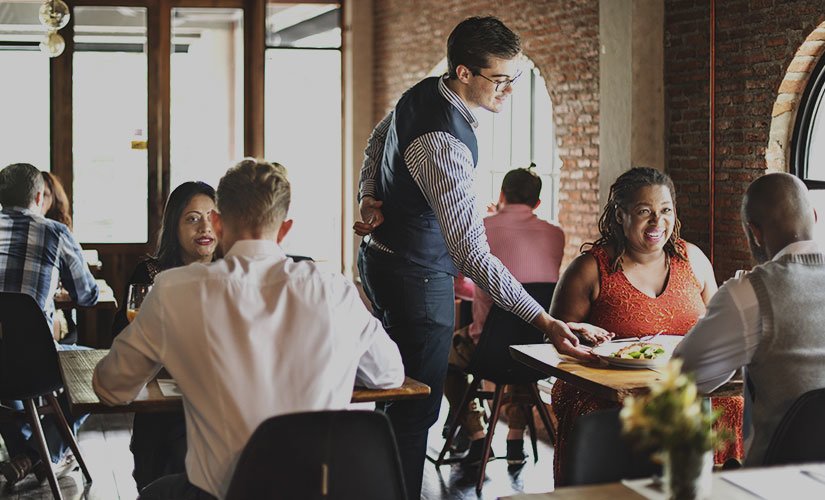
(77, 368)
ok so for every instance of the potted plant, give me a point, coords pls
(671, 419)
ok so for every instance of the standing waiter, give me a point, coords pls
(421, 227)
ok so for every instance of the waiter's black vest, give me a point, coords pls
(410, 228)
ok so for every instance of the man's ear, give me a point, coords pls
(538, 202)
(217, 224)
(463, 73)
(286, 225)
(38, 199)
(758, 235)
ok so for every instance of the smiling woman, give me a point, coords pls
(639, 278)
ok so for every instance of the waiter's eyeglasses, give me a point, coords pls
(501, 85)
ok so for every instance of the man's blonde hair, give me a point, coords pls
(254, 194)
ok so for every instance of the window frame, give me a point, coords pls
(809, 105)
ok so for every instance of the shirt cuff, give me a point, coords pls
(367, 189)
(527, 308)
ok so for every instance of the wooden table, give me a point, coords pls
(94, 323)
(790, 478)
(77, 368)
(611, 383)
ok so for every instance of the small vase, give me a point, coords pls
(688, 474)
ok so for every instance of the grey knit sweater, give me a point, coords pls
(790, 358)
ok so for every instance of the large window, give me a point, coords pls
(206, 94)
(109, 118)
(303, 123)
(24, 88)
(808, 153)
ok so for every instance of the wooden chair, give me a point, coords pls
(799, 438)
(330, 455)
(29, 371)
(491, 361)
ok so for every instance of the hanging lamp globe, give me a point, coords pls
(52, 44)
(54, 14)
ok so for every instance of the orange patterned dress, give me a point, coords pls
(624, 310)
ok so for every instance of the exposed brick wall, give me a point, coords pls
(755, 44)
(560, 37)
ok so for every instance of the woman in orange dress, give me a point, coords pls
(639, 278)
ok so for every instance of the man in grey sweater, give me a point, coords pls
(770, 319)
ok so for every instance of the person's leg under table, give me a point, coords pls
(417, 309)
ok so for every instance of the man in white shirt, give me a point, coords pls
(247, 337)
(769, 320)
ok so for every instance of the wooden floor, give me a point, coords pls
(104, 441)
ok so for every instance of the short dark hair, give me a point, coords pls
(19, 183)
(168, 253)
(474, 40)
(521, 185)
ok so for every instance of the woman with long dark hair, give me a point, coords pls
(186, 236)
(639, 278)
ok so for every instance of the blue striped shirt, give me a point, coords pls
(35, 253)
(442, 167)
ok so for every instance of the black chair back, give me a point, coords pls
(330, 455)
(597, 453)
(491, 359)
(28, 358)
(799, 437)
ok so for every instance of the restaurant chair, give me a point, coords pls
(597, 452)
(799, 437)
(330, 455)
(491, 361)
(29, 372)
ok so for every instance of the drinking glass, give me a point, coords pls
(137, 292)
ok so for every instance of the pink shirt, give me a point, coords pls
(531, 248)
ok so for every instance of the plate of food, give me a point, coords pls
(638, 354)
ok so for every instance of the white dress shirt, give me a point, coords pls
(726, 338)
(248, 337)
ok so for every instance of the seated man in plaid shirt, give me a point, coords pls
(35, 254)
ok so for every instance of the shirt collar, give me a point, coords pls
(456, 101)
(516, 208)
(256, 248)
(799, 247)
(22, 210)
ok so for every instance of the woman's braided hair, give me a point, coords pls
(622, 193)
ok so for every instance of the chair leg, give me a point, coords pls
(488, 440)
(528, 416)
(459, 417)
(68, 435)
(43, 448)
(543, 413)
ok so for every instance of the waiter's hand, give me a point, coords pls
(590, 333)
(371, 216)
(563, 339)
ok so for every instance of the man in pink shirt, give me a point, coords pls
(532, 250)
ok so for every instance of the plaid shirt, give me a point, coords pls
(35, 252)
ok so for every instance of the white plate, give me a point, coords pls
(605, 351)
